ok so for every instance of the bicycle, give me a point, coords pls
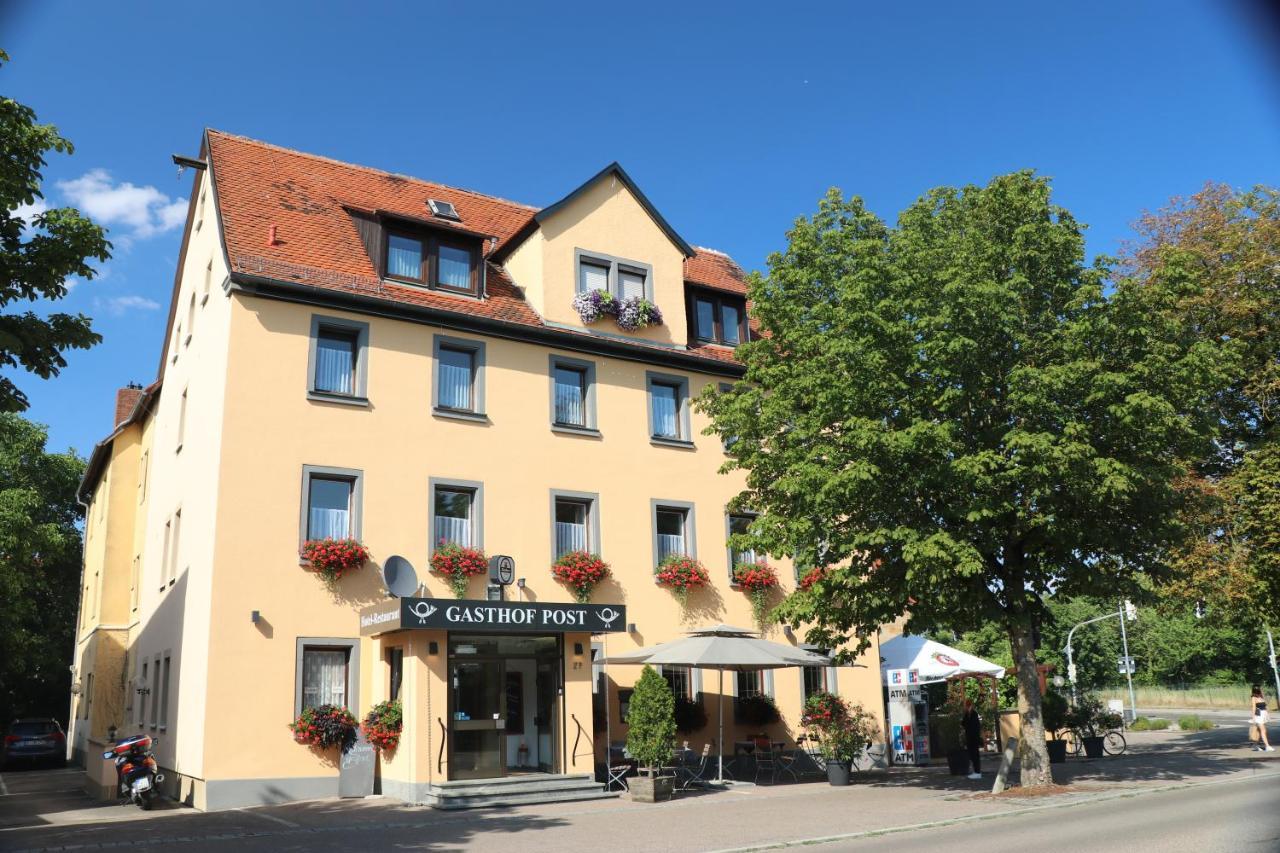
(1113, 742)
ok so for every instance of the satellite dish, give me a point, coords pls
(399, 577)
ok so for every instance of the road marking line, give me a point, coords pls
(271, 818)
(4, 789)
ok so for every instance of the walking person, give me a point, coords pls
(971, 723)
(1258, 706)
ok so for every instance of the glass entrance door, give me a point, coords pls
(478, 720)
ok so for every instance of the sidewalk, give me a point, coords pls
(741, 817)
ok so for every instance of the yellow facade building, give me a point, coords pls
(352, 353)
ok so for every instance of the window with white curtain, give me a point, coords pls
(335, 363)
(329, 508)
(740, 524)
(454, 267)
(404, 257)
(670, 523)
(680, 680)
(570, 396)
(622, 278)
(454, 373)
(454, 510)
(324, 676)
(572, 529)
(664, 405)
(814, 680)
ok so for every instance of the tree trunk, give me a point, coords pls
(1033, 752)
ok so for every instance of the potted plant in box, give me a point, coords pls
(651, 728)
(680, 574)
(459, 564)
(842, 730)
(758, 581)
(333, 558)
(1091, 721)
(383, 724)
(580, 571)
(325, 726)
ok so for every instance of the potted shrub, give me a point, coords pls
(383, 724)
(459, 564)
(1092, 721)
(333, 558)
(842, 730)
(680, 574)
(651, 728)
(1053, 708)
(580, 571)
(758, 581)
(325, 726)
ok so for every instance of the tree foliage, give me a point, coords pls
(39, 570)
(1220, 251)
(651, 719)
(959, 413)
(37, 257)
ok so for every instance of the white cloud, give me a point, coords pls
(118, 306)
(145, 211)
(28, 212)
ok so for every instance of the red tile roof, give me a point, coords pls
(308, 200)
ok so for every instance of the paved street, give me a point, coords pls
(1175, 791)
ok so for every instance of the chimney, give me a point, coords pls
(126, 398)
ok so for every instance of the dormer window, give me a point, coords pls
(437, 261)
(717, 318)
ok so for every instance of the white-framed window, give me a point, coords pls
(327, 673)
(680, 680)
(573, 393)
(749, 683)
(813, 680)
(337, 360)
(331, 507)
(672, 529)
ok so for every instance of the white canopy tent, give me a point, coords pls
(721, 647)
(934, 661)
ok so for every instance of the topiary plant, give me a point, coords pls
(651, 720)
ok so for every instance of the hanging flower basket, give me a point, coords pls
(333, 558)
(383, 724)
(637, 313)
(758, 581)
(459, 565)
(325, 726)
(630, 314)
(681, 574)
(591, 305)
(580, 571)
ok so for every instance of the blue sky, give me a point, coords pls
(733, 117)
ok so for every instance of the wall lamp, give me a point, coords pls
(788, 632)
(433, 648)
(520, 583)
(577, 649)
(255, 617)
(632, 629)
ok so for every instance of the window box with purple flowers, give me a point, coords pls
(630, 314)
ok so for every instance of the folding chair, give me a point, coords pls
(618, 776)
(787, 761)
(766, 760)
(812, 751)
(690, 769)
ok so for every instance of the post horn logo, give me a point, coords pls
(423, 611)
(608, 615)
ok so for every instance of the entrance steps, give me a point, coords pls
(516, 791)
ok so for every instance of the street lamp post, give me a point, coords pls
(1071, 666)
(1126, 610)
(1276, 673)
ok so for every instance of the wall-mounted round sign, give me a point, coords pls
(502, 570)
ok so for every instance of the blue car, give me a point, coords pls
(34, 740)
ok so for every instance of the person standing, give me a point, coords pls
(971, 723)
(1258, 705)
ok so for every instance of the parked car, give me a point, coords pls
(34, 740)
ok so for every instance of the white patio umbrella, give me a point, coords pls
(722, 648)
(933, 660)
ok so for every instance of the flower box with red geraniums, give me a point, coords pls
(383, 724)
(841, 729)
(812, 576)
(680, 574)
(459, 564)
(758, 581)
(580, 571)
(325, 726)
(333, 558)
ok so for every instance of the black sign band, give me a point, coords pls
(498, 616)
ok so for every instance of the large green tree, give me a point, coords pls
(958, 416)
(39, 569)
(38, 254)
